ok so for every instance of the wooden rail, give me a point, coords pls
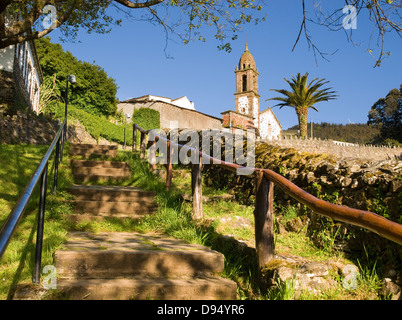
(263, 213)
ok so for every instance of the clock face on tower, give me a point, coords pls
(243, 105)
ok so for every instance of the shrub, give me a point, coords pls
(147, 118)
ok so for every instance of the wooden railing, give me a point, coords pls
(263, 213)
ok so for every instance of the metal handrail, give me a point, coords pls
(365, 219)
(40, 174)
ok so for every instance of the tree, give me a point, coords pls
(28, 19)
(185, 18)
(384, 15)
(387, 112)
(303, 96)
(94, 92)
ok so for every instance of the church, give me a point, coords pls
(247, 113)
(181, 112)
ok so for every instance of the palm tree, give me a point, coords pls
(303, 96)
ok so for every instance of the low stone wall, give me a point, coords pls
(342, 150)
(367, 185)
(21, 127)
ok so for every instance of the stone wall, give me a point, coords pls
(367, 185)
(21, 127)
(339, 149)
(7, 94)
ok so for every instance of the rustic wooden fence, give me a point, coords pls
(263, 212)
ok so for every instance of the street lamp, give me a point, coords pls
(125, 127)
(71, 79)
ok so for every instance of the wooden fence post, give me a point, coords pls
(143, 145)
(196, 188)
(263, 217)
(134, 138)
(168, 165)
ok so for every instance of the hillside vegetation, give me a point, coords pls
(94, 91)
(354, 133)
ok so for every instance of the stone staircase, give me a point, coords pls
(129, 265)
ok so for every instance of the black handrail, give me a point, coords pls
(40, 174)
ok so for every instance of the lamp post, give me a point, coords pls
(125, 127)
(71, 79)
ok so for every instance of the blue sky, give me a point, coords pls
(135, 56)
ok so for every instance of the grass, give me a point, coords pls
(173, 218)
(18, 163)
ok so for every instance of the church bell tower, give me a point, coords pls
(247, 99)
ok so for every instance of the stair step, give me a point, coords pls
(84, 146)
(81, 178)
(111, 193)
(124, 171)
(87, 150)
(208, 288)
(153, 262)
(116, 254)
(130, 265)
(110, 207)
(98, 164)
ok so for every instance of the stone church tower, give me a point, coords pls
(247, 113)
(247, 99)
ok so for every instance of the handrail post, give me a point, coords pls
(134, 137)
(143, 145)
(196, 188)
(264, 220)
(62, 144)
(168, 165)
(56, 166)
(39, 232)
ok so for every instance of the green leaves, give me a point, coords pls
(94, 91)
(147, 118)
(303, 96)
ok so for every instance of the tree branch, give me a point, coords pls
(28, 36)
(136, 5)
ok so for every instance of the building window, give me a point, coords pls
(244, 83)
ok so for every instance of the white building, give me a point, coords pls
(270, 127)
(20, 75)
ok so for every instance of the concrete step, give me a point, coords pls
(115, 207)
(208, 288)
(95, 171)
(98, 164)
(117, 254)
(123, 171)
(129, 265)
(87, 150)
(111, 193)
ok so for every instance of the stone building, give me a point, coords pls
(174, 113)
(20, 75)
(247, 113)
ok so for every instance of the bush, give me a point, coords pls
(147, 118)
